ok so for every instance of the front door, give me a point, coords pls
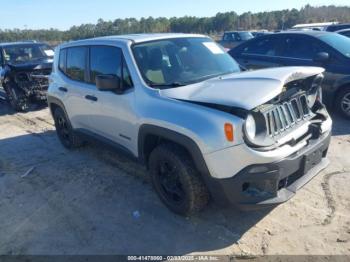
(113, 116)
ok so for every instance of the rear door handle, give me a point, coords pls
(91, 98)
(63, 89)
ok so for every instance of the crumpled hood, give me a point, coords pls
(245, 90)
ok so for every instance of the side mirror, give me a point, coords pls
(321, 57)
(109, 83)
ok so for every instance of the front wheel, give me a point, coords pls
(343, 102)
(176, 180)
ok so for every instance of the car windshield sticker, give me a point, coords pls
(214, 48)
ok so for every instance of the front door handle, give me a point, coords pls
(63, 89)
(91, 98)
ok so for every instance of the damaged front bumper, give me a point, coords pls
(264, 185)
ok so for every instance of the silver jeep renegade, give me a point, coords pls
(182, 106)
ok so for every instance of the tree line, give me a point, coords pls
(274, 20)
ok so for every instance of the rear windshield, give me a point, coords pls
(339, 42)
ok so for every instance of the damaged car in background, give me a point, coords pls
(24, 73)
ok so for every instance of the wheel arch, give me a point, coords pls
(53, 103)
(150, 136)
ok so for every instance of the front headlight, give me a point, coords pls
(255, 131)
(250, 127)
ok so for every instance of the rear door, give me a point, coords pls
(258, 53)
(75, 90)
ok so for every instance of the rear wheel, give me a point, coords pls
(176, 180)
(65, 132)
(343, 102)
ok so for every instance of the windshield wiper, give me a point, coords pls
(207, 77)
(166, 85)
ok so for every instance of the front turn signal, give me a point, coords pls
(229, 132)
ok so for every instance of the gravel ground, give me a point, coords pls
(84, 202)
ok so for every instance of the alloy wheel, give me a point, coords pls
(345, 103)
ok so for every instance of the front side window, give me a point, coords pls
(76, 63)
(181, 61)
(108, 60)
(301, 47)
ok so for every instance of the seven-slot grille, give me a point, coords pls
(284, 116)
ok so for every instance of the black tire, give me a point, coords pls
(65, 132)
(16, 97)
(342, 102)
(176, 180)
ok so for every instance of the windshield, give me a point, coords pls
(181, 61)
(23, 53)
(339, 42)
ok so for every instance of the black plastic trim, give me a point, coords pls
(96, 138)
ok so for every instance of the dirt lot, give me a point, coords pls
(83, 202)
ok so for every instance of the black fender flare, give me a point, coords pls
(53, 100)
(191, 146)
(173, 136)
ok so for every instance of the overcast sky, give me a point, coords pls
(63, 14)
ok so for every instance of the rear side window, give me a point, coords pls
(107, 60)
(76, 63)
(262, 46)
